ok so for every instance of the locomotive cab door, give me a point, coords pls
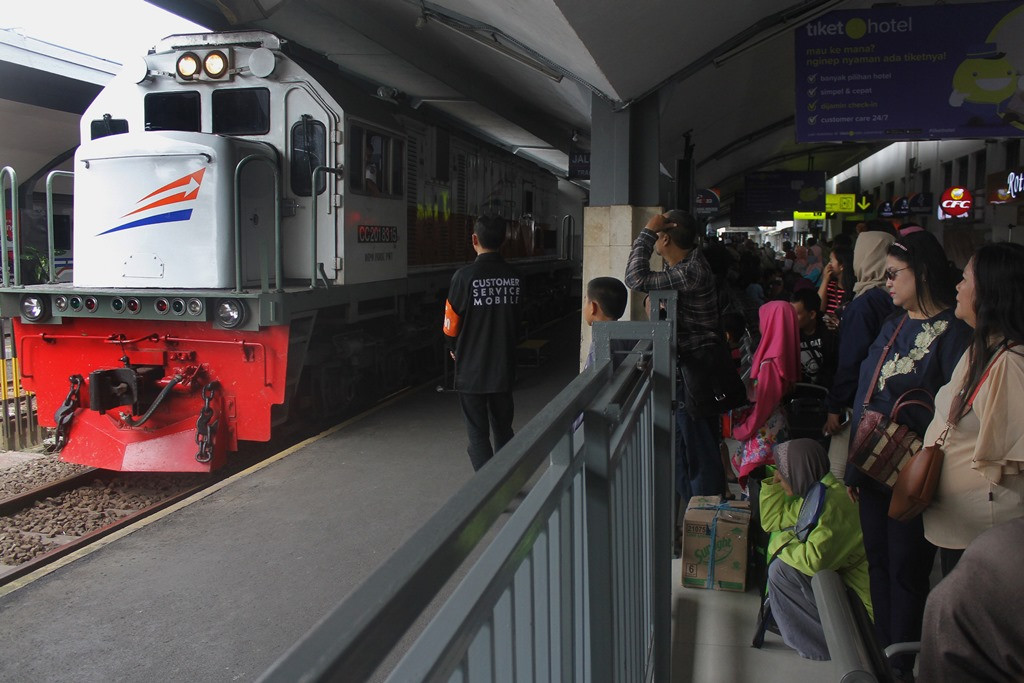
(312, 138)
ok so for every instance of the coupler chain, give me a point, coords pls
(204, 428)
(65, 415)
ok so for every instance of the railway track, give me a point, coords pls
(42, 525)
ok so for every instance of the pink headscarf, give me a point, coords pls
(780, 341)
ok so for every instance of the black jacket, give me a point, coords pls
(482, 323)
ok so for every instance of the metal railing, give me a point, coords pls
(9, 173)
(574, 585)
(51, 251)
(313, 269)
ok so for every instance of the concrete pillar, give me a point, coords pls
(623, 192)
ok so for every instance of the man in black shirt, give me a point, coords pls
(481, 322)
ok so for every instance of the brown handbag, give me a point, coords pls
(881, 446)
(918, 480)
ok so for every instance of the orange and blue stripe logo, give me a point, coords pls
(187, 190)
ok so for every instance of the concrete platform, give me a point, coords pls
(217, 589)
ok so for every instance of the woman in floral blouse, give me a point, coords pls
(928, 340)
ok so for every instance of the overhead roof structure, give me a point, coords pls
(525, 73)
(45, 89)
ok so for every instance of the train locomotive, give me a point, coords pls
(256, 236)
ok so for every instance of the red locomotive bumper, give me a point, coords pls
(210, 387)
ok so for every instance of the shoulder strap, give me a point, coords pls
(881, 360)
(957, 405)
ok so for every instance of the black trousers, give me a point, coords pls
(487, 413)
(900, 561)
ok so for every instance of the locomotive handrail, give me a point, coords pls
(50, 250)
(206, 155)
(15, 226)
(278, 267)
(312, 231)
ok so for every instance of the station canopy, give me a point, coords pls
(526, 73)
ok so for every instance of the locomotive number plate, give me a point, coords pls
(377, 234)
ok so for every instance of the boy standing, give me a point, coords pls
(605, 302)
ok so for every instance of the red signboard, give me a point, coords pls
(956, 202)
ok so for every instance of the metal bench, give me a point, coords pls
(850, 635)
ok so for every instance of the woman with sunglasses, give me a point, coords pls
(922, 343)
(981, 483)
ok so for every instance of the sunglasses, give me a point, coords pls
(890, 274)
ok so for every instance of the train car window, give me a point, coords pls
(397, 166)
(309, 150)
(356, 157)
(173, 111)
(101, 128)
(371, 162)
(442, 158)
(241, 111)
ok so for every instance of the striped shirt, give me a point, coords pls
(697, 321)
(834, 296)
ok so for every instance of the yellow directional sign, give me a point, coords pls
(841, 203)
(864, 203)
(808, 215)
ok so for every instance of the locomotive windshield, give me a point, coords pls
(241, 111)
(173, 111)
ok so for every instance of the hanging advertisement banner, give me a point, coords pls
(911, 73)
(707, 202)
(1005, 187)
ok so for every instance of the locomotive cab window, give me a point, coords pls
(241, 111)
(309, 150)
(173, 111)
(375, 162)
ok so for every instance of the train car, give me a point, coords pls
(256, 236)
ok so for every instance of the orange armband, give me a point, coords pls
(452, 321)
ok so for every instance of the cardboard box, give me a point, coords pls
(730, 522)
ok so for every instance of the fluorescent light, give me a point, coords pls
(493, 43)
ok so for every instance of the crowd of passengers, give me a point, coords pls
(876, 320)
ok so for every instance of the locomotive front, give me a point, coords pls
(155, 358)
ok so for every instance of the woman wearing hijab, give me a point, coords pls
(862, 319)
(982, 482)
(835, 543)
(774, 369)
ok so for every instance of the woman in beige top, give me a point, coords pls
(981, 483)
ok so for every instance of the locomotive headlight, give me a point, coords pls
(34, 307)
(61, 302)
(188, 66)
(216, 64)
(194, 307)
(230, 313)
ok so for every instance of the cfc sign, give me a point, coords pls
(956, 202)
